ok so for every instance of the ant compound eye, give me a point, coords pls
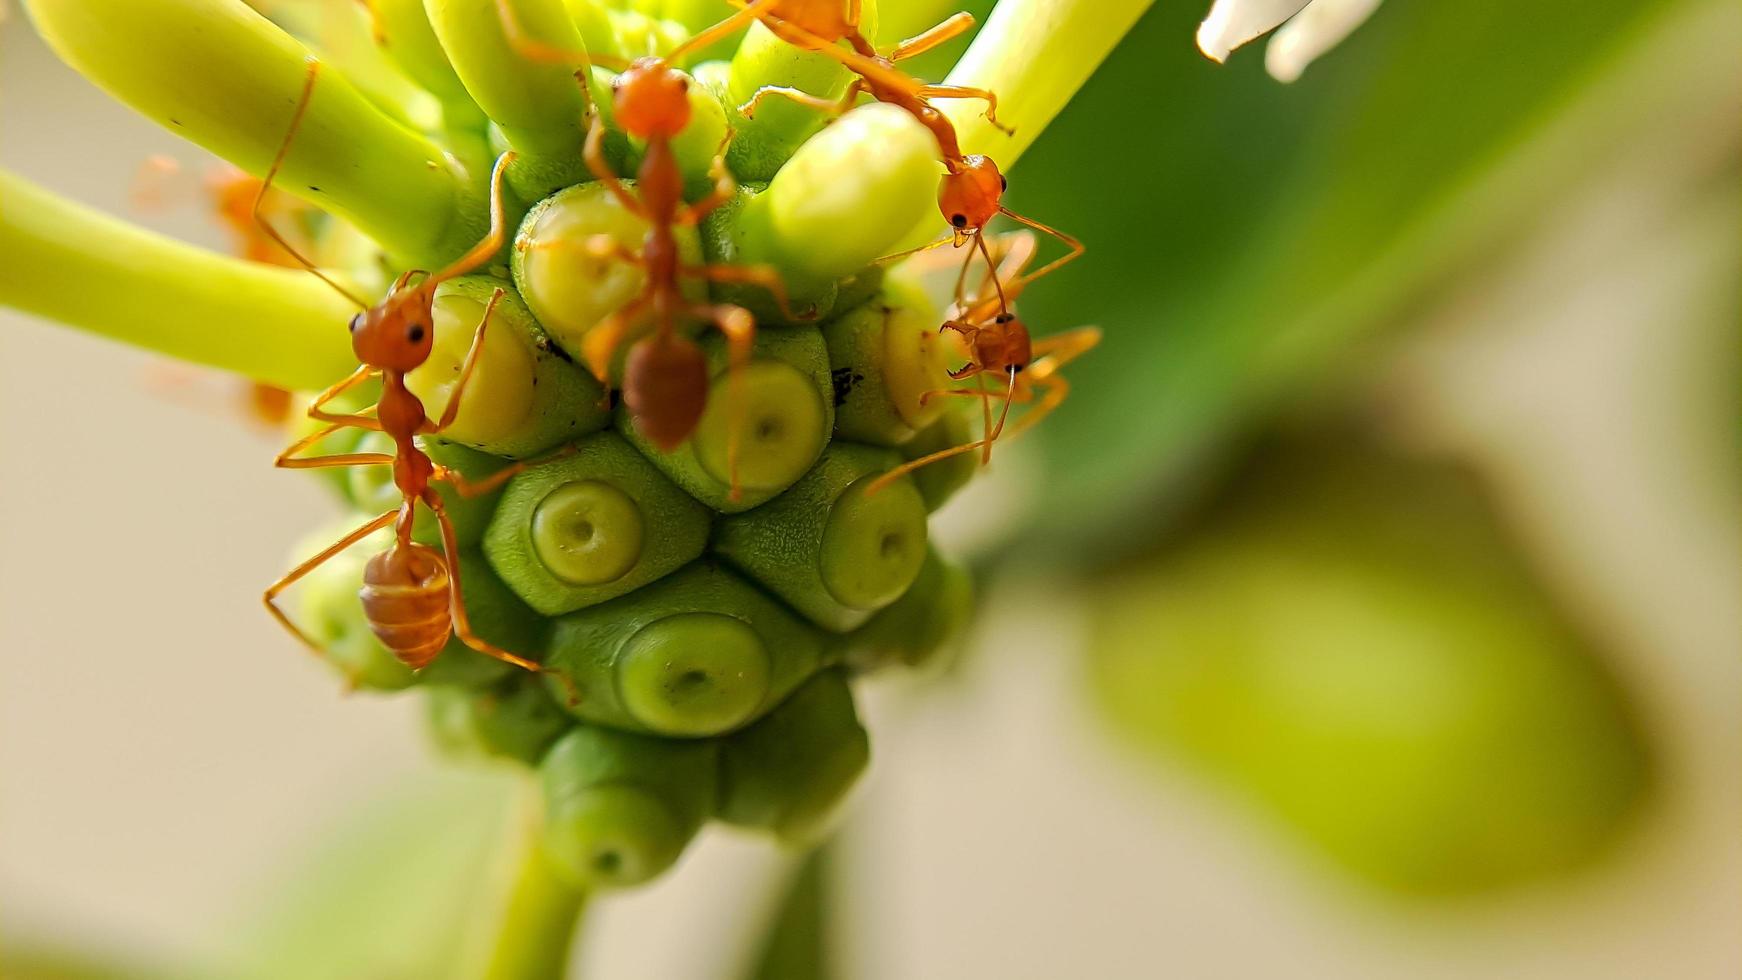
(959, 220)
(683, 84)
(415, 334)
(1003, 182)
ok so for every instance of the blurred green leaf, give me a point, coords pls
(1243, 233)
(796, 946)
(387, 893)
(38, 960)
(1350, 643)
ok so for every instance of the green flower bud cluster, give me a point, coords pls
(697, 613)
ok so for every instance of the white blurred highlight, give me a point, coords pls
(1314, 27)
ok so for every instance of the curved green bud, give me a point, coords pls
(556, 545)
(698, 653)
(101, 274)
(403, 31)
(221, 75)
(537, 104)
(569, 288)
(939, 480)
(832, 550)
(728, 240)
(790, 771)
(847, 197)
(371, 489)
(515, 719)
(886, 355)
(766, 141)
(787, 416)
(922, 624)
(620, 808)
(524, 396)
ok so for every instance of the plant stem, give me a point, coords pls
(101, 274)
(221, 75)
(1034, 54)
(528, 927)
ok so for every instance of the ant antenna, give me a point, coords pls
(490, 243)
(745, 16)
(1071, 242)
(308, 91)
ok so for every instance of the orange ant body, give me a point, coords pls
(998, 342)
(411, 593)
(665, 377)
(971, 191)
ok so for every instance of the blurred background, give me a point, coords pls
(1370, 610)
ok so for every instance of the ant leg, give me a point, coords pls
(288, 460)
(913, 464)
(601, 342)
(829, 107)
(1054, 352)
(477, 488)
(757, 275)
(733, 23)
(739, 327)
(944, 31)
(308, 91)
(491, 243)
(272, 592)
(532, 49)
(935, 243)
(964, 92)
(1071, 242)
(456, 602)
(594, 154)
(452, 411)
(352, 380)
(724, 187)
(1055, 390)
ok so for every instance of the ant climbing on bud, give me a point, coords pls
(665, 376)
(411, 593)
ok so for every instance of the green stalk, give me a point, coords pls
(221, 75)
(1034, 54)
(88, 270)
(529, 927)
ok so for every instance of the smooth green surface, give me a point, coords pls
(674, 528)
(789, 772)
(617, 665)
(219, 74)
(514, 719)
(808, 547)
(88, 270)
(587, 532)
(620, 808)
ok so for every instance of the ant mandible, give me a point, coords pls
(665, 377)
(971, 191)
(998, 342)
(411, 593)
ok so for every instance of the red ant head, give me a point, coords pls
(651, 99)
(1004, 344)
(970, 195)
(395, 334)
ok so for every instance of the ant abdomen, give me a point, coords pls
(405, 599)
(665, 385)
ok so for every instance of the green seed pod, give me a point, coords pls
(938, 481)
(787, 416)
(498, 616)
(536, 103)
(515, 719)
(724, 237)
(699, 653)
(789, 772)
(920, 625)
(591, 526)
(524, 396)
(620, 808)
(849, 195)
(371, 489)
(766, 141)
(569, 288)
(834, 551)
(885, 357)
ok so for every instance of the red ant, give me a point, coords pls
(971, 192)
(998, 342)
(411, 593)
(665, 377)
